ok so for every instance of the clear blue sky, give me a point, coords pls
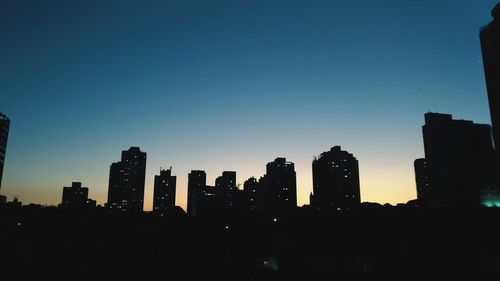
(231, 85)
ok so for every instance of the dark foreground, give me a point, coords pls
(367, 244)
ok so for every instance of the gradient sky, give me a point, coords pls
(231, 85)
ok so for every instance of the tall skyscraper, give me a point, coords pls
(335, 180)
(281, 185)
(459, 160)
(422, 181)
(226, 187)
(490, 46)
(76, 196)
(126, 182)
(197, 181)
(250, 186)
(164, 191)
(4, 135)
(262, 193)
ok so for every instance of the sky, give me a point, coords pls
(230, 86)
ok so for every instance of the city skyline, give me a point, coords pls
(270, 118)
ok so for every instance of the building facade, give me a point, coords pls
(280, 183)
(126, 182)
(197, 181)
(76, 196)
(4, 135)
(459, 159)
(250, 186)
(335, 180)
(164, 191)
(226, 188)
(209, 200)
(490, 47)
(422, 181)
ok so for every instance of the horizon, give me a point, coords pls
(222, 86)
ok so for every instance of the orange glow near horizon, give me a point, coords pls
(383, 185)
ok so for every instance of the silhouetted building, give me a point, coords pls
(209, 199)
(197, 181)
(126, 182)
(262, 193)
(490, 46)
(4, 135)
(335, 180)
(459, 157)
(250, 186)
(280, 184)
(164, 191)
(91, 203)
(226, 187)
(75, 196)
(14, 204)
(241, 200)
(422, 181)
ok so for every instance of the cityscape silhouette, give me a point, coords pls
(258, 231)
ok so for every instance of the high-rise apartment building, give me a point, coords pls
(250, 187)
(164, 191)
(197, 181)
(280, 183)
(4, 135)
(459, 160)
(76, 197)
(335, 180)
(226, 187)
(490, 47)
(422, 181)
(126, 182)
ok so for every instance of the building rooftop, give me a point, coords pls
(3, 117)
(495, 13)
